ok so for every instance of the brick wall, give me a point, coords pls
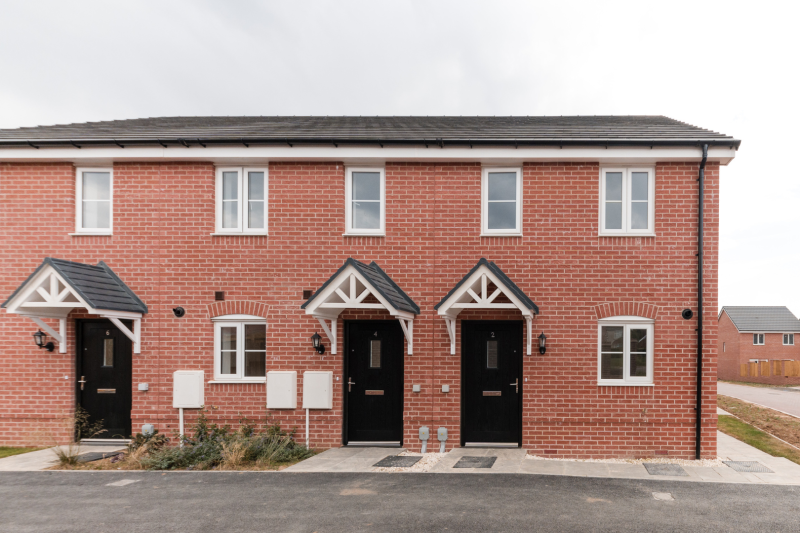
(163, 249)
(739, 349)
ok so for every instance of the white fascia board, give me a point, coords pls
(366, 155)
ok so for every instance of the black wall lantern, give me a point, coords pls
(315, 342)
(39, 338)
(542, 343)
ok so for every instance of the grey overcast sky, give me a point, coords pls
(727, 66)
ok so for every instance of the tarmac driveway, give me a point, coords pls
(786, 400)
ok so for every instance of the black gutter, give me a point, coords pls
(699, 407)
(238, 141)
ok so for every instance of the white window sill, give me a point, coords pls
(623, 384)
(626, 234)
(501, 234)
(240, 234)
(90, 233)
(249, 380)
(363, 235)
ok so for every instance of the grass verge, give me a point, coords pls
(8, 451)
(783, 426)
(756, 438)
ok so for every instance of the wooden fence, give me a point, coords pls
(770, 368)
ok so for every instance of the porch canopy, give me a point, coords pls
(472, 292)
(360, 286)
(57, 287)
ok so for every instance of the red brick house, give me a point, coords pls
(757, 344)
(431, 256)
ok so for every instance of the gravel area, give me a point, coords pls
(660, 460)
(423, 465)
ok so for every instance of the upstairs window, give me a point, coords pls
(242, 200)
(758, 338)
(240, 348)
(365, 201)
(627, 201)
(625, 351)
(502, 202)
(788, 339)
(94, 201)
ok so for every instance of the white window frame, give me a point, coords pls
(485, 231)
(238, 321)
(79, 229)
(243, 189)
(348, 203)
(628, 322)
(790, 338)
(759, 337)
(627, 176)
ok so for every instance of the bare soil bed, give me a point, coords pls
(783, 426)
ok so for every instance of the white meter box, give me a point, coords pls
(282, 389)
(187, 389)
(317, 390)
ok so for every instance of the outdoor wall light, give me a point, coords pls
(315, 342)
(542, 342)
(39, 338)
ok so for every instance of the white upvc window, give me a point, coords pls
(365, 201)
(94, 201)
(758, 339)
(501, 202)
(788, 339)
(242, 200)
(240, 348)
(627, 201)
(625, 351)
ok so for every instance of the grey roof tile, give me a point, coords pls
(379, 280)
(553, 130)
(762, 318)
(97, 284)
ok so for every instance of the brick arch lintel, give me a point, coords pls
(641, 309)
(238, 307)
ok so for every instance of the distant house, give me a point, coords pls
(759, 344)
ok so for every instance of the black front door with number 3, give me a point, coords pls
(104, 376)
(491, 392)
(373, 384)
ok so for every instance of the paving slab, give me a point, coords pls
(665, 469)
(475, 461)
(345, 459)
(44, 459)
(398, 461)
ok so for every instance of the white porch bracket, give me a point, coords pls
(408, 331)
(529, 323)
(329, 331)
(134, 336)
(450, 323)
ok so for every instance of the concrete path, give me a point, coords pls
(786, 400)
(514, 461)
(44, 459)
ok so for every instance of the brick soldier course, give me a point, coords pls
(164, 249)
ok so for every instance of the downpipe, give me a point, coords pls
(699, 406)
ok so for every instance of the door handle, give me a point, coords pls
(350, 384)
(515, 384)
(82, 381)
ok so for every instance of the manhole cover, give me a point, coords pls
(664, 469)
(748, 466)
(402, 461)
(469, 461)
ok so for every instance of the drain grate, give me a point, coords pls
(472, 461)
(664, 469)
(748, 466)
(401, 461)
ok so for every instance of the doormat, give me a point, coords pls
(401, 461)
(664, 469)
(748, 466)
(471, 461)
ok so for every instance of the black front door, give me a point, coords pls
(491, 387)
(104, 376)
(373, 386)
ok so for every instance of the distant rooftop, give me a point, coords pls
(441, 131)
(766, 319)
